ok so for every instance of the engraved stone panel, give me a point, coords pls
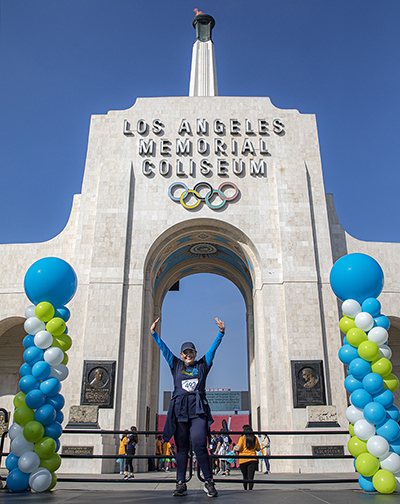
(98, 383)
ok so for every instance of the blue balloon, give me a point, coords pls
(53, 430)
(46, 414)
(359, 368)
(28, 341)
(360, 397)
(50, 387)
(351, 384)
(63, 312)
(366, 483)
(32, 355)
(50, 279)
(393, 412)
(347, 353)
(386, 398)
(382, 321)
(35, 399)
(58, 444)
(371, 306)
(57, 401)
(41, 370)
(28, 383)
(17, 481)
(345, 342)
(373, 383)
(389, 430)
(25, 369)
(394, 446)
(60, 417)
(374, 413)
(11, 462)
(356, 276)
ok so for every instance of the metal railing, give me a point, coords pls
(218, 480)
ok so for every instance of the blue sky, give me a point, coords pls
(61, 61)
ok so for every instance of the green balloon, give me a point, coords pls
(368, 350)
(19, 400)
(56, 326)
(52, 463)
(357, 446)
(382, 366)
(346, 323)
(351, 430)
(23, 415)
(33, 431)
(367, 464)
(64, 342)
(391, 382)
(53, 482)
(45, 447)
(355, 336)
(384, 481)
(44, 311)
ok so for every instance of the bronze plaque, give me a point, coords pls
(327, 451)
(308, 383)
(3, 421)
(77, 450)
(98, 383)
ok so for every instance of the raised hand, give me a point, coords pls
(220, 324)
(153, 325)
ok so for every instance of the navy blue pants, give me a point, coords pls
(197, 429)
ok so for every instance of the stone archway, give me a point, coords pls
(199, 246)
(394, 344)
(12, 334)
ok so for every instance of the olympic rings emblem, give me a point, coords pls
(205, 199)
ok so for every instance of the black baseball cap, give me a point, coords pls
(188, 345)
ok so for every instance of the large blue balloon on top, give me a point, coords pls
(50, 279)
(356, 276)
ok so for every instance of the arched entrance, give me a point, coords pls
(394, 344)
(11, 335)
(200, 246)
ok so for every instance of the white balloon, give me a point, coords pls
(385, 351)
(20, 445)
(351, 308)
(391, 463)
(61, 372)
(33, 325)
(378, 335)
(364, 321)
(378, 446)
(353, 414)
(53, 356)
(43, 339)
(40, 480)
(30, 311)
(29, 462)
(15, 430)
(364, 430)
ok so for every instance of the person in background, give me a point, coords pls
(266, 452)
(223, 447)
(130, 451)
(158, 451)
(213, 447)
(166, 450)
(247, 446)
(122, 451)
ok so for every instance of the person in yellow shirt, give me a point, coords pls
(158, 450)
(122, 451)
(247, 446)
(166, 450)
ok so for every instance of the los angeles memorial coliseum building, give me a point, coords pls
(202, 183)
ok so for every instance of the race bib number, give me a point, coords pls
(190, 385)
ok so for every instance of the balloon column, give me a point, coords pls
(357, 280)
(50, 284)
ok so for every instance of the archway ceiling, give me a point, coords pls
(197, 249)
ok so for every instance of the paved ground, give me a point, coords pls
(341, 489)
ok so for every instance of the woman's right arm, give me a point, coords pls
(168, 355)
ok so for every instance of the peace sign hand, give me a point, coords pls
(220, 324)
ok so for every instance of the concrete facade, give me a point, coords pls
(129, 242)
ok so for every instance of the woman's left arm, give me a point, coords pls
(215, 344)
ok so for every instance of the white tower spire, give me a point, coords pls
(203, 74)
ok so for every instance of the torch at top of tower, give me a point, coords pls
(203, 24)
